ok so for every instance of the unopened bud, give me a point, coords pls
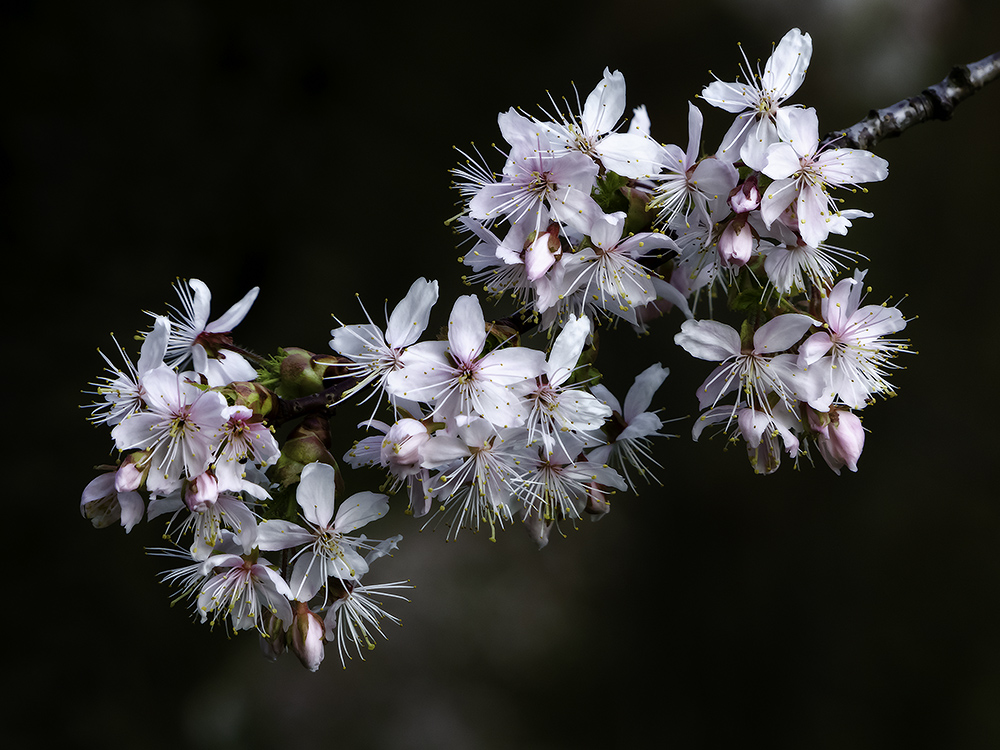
(307, 634)
(736, 243)
(301, 373)
(129, 476)
(201, 493)
(842, 441)
(746, 196)
(254, 396)
(272, 639)
(307, 443)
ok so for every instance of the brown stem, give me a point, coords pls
(935, 103)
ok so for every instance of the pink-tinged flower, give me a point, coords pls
(204, 344)
(766, 434)
(593, 131)
(179, 429)
(206, 516)
(245, 589)
(759, 100)
(538, 185)
(456, 378)
(104, 504)
(608, 276)
(840, 438)
(374, 354)
(400, 450)
(244, 441)
(803, 175)
(479, 466)
(122, 391)
(755, 374)
(632, 425)
(557, 486)
(557, 408)
(328, 550)
(736, 245)
(853, 349)
(688, 184)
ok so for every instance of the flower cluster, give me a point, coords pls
(197, 447)
(591, 217)
(588, 223)
(484, 431)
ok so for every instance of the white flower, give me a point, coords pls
(859, 354)
(456, 378)
(245, 590)
(608, 275)
(179, 428)
(759, 99)
(754, 374)
(555, 407)
(122, 391)
(634, 426)
(207, 521)
(193, 339)
(557, 486)
(479, 470)
(803, 175)
(328, 550)
(789, 265)
(687, 183)
(244, 439)
(374, 354)
(538, 185)
(593, 131)
(357, 615)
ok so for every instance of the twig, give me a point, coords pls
(934, 103)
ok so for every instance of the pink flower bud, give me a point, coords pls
(746, 197)
(842, 442)
(201, 493)
(307, 634)
(736, 243)
(129, 477)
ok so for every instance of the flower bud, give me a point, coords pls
(129, 477)
(307, 633)
(308, 442)
(746, 196)
(301, 374)
(542, 254)
(842, 441)
(201, 493)
(272, 640)
(736, 243)
(254, 396)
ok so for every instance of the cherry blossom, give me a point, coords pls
(803, 175)
(758, 101)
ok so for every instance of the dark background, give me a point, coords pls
(306, 149)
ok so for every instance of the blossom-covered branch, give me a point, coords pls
(589, 224)
(936, 102)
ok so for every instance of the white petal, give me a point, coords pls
(235, 314)
(409, 318)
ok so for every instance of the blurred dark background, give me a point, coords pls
(305, 149)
